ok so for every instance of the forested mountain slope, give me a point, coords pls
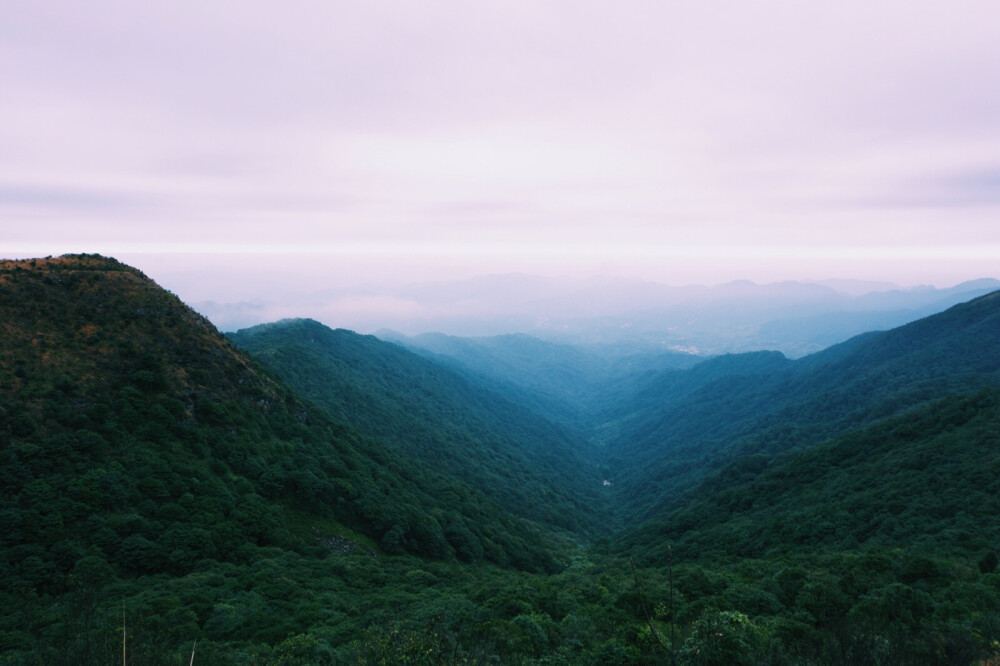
(143, 456)
(506, 451)
(877, 547)
(677, 436)
(929, 480)
(638, 403)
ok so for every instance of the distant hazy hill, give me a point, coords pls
(566, 383)
(796, 318)
(503, 449)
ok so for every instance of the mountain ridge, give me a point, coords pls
(438, 416)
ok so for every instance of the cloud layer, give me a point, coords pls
(685, 141)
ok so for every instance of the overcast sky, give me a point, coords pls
(677, 141)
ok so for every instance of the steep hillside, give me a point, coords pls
(503, 449)
(680, 436)
(929, 480)
(102, 365)
(143, 455)
(638, 404)
(877, 547)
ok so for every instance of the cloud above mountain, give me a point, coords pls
(666, 140)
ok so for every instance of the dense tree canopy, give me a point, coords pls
(160, 488)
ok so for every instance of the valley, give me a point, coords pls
(289, 493)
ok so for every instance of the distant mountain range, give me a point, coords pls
(796, 318)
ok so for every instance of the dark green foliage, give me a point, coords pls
(871, 543)
(182, 456)
(502, 449)
(989, 563)
(684, 424)
(153, 478)
(928, 479)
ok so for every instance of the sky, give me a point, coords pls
(233, 149)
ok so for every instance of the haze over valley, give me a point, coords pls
(796, 318)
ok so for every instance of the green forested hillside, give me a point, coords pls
(162, 492)
(676, 436)
(930, 479)
(640, 405)
(883, 540)
(101, 367)
(142, 452)
(503, 449)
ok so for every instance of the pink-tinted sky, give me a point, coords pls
(336, 141)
